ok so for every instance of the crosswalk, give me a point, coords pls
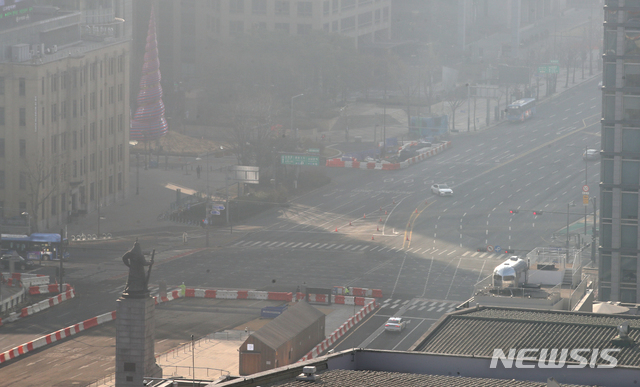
(370, 248)
(420, 305)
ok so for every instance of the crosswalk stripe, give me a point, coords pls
(280, 244)
(416, 252)
(430, 309)
(305, 245)
(356, 248)
(314, 245)
(452, 252)
(330, 246)
(271, 244)
(394, 306)
(237, 243)
(322, 245)
(440, 310)
(297, 244)
(420, 308)
(347, 247)
(482, 255)
(408, 251)
(411, 307)
(434, 303)
(474, 254)
(289, 244)
(451, 310)
(339, 246)
(375, 248)
(363, 248)
(465, 254)
(444, 303)
(434, 251)
(443, 251)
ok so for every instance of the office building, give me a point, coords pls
(64, 112)
(620, 155)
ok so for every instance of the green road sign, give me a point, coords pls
(548, 69)
(554, 61)
(313, 150)
(299, 160)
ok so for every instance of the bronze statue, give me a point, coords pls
(137, 282)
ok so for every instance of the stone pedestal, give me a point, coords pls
(135, 341)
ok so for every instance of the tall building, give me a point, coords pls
(64, 111)
(620, 156)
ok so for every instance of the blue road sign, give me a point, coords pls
(497, 248)
(215, 212)
(218, 207)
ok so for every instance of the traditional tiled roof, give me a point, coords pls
(479, 331)
(349, 378)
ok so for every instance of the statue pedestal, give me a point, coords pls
(135, 341)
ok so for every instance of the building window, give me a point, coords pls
(629, 207)
(605, 235)
(259, 7)
(120, 122)
(236, 6)
(630, 172)
(22, 86)
(305, 8)
(54, 110)
(23, 181)
(607, 138)
(2, 116)
(1, 147)
(54, 144)
(284, 27)
(111, 155)
(629, 237)
(605, 268)
(63, 141)
(110, 184)
(120, 92)
(119, 181)
(1, 179)
(326, 7)
(120, 152)
(75, 108)
(630, 140)
(236, 27)
(346, 4)
(92, 162)
(23, 147)
(260, 26)
(304, 29)
(348, 23)
(1, 85)
(282, 8)
(74, 139)
(335, 26)
(628, 269)
(75, 169)
(607, 171)
(92, 193)
(628, 295)
(23, 117)
(111, 95)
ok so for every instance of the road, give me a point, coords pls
(383, 229)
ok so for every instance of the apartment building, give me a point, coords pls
(64, 114)
(620, 155)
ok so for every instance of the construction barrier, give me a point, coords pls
(45, 304)
(386, 166)
(344, 328)
(46, 289)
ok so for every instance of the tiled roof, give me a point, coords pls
(349, 378)
(479, 331)
(288, 325)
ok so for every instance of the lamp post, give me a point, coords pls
(137, 173)
(468, 107)
(570, 204)
(26, 214)
(295, 135)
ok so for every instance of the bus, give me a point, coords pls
(521, 110)
(36, 247)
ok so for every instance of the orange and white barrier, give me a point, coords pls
(49, 302)
(55, 336)
(344, 328)
(389, 166)
(45, 289)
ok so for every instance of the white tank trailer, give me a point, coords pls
(512, 273)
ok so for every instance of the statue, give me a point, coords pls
(137, 282)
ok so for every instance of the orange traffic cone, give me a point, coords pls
(377, 228)
(372, 238)
(407, 237)
(416, 210)
(365, 216)
(394, 202)
(426, 202)
(385, 212)
(380, 208)
(336, 229)
(380, 220)
(349, 223)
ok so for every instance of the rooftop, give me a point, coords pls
(478, 331)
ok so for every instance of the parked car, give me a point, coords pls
(441, 190)
(395, 324)
(19, 262)
(590, 154)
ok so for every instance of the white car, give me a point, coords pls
(395, 324)
(441, 190)
(590, 154)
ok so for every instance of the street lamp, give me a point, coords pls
(137, 173)
(292, 98)
(570, 204)
(26, 214)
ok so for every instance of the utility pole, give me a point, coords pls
(468, 107)
(593, 233)
(586, 206)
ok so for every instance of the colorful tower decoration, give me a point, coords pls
(148, 122)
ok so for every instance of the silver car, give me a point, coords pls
(395, 324)
(441, 190)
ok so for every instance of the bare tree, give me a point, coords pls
(455, 98)
(38, 187)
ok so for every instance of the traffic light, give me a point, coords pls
(514, 211)
(509, 251)
(537, 212)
